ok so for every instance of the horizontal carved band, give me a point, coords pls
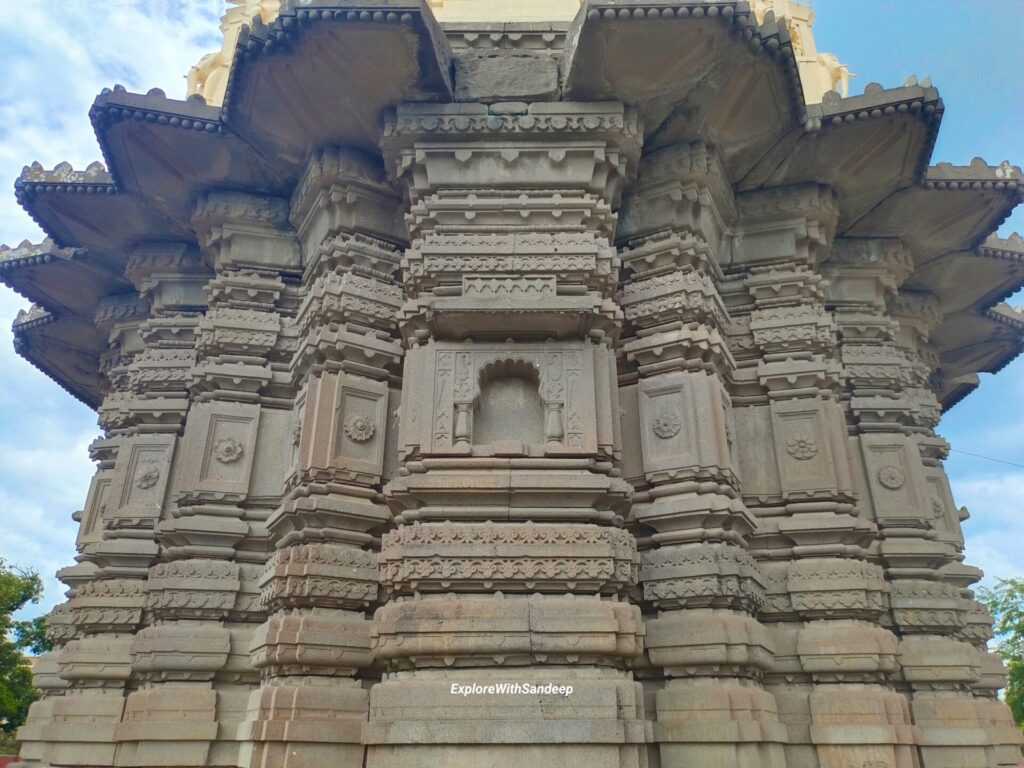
(513, 630)
(511, 557)
(320, 575)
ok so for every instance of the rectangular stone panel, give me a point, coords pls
(574, 413)
(140, 479)
(683, 424)
(895, 480)
(344, 423)
(90, 529)
(756, 450)
(220, 441)
(945, 516)
(632, 450)
(360, 420)
(809, 443)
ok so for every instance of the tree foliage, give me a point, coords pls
(18, 588)
(1006, 602)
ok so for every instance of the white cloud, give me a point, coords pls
(58, 55)
(995, 531)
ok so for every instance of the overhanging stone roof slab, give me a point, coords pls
(86, 209)
(169, 151)
(969, 343)
(866, 147)
(691, 69)
(64, 347)
(954, 208)
(69, 280)
(976, 278)
(323, 74)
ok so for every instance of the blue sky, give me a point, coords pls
(60, 53)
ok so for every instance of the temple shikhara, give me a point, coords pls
(458, 343)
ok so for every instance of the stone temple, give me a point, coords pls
(440, 346)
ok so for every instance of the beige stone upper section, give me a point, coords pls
(819, 72)
(504, 10)
(209, 76)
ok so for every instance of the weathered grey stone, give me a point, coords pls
(505, 77)
(585, 356)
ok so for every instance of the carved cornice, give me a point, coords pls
(518, 557)
(123, 308)
(558, 145)
(516, 120)
(885, 253)
(344, 190)
(814, 202)
(692, 179)
(224, 219)
(923, 309)
(320, 575)
(239, 208)
(487, 37)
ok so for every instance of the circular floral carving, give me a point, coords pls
(667, 424)
(147, 478)
(359, 428)
(227, 450)
(802, 447)
(891, 477)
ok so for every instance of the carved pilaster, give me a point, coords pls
(322, 577)
(509, 563)
(703, 638)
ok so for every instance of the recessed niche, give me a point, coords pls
(509, 412)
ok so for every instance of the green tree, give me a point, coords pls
(18, 588)
(1006, 602)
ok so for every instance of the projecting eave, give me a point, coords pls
(692, 70)
(65, 348)
(970, 343)
(87, 209)
(952, 208)
(167, 152)
(866, 147)
(324, 73)
(972, 279)
(58, 335)
(65, 280)
(978, 333)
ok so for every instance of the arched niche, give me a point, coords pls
(508, 412)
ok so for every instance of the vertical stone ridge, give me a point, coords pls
(322, 576)
(700, 584)
(948, 673)
(509, 565)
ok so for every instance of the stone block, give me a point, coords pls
(504, 77)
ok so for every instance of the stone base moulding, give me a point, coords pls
(518, 385)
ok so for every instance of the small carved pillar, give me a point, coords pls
(44, 734)
(824, 595)
(147, 366)
(862, 276)
(39, 725)
(323, 576)
(191, 661)
(700, 579)
(509, 565)
(950, 674)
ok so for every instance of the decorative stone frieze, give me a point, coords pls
(597, 362)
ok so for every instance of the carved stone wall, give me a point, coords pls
(614, 395)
